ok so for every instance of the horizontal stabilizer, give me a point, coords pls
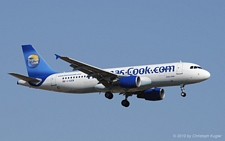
(25, 78)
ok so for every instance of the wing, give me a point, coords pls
(25, 78)
(102, 76)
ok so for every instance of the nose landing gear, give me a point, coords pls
(183, 94)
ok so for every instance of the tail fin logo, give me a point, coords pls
(33, 61)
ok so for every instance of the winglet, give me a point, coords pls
(57, 56)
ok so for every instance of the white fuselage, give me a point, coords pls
(158, 75)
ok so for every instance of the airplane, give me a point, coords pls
(145, 81)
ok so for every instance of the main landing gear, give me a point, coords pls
(109, 95)
(183, 94)
(124, 102)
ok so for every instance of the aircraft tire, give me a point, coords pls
(125, 103)
(183, 94)
(109, 95)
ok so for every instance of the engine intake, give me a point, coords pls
(152, 94)
(129, 82)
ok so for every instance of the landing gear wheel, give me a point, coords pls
(125, 103)
(109, 95)
(183, 94)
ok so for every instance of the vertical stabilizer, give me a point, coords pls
(36, 65)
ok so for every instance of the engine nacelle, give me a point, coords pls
(152, 94)
(129, 82)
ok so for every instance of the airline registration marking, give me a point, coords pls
(145, 70)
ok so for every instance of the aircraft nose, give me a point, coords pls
(207, 75)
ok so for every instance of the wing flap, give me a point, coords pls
(25, 78)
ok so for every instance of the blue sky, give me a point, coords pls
(110, 34)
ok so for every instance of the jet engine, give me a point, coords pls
(153, 94)
(129, 81)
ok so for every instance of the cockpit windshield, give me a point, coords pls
(195, 67)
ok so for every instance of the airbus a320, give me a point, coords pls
(145, 81)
